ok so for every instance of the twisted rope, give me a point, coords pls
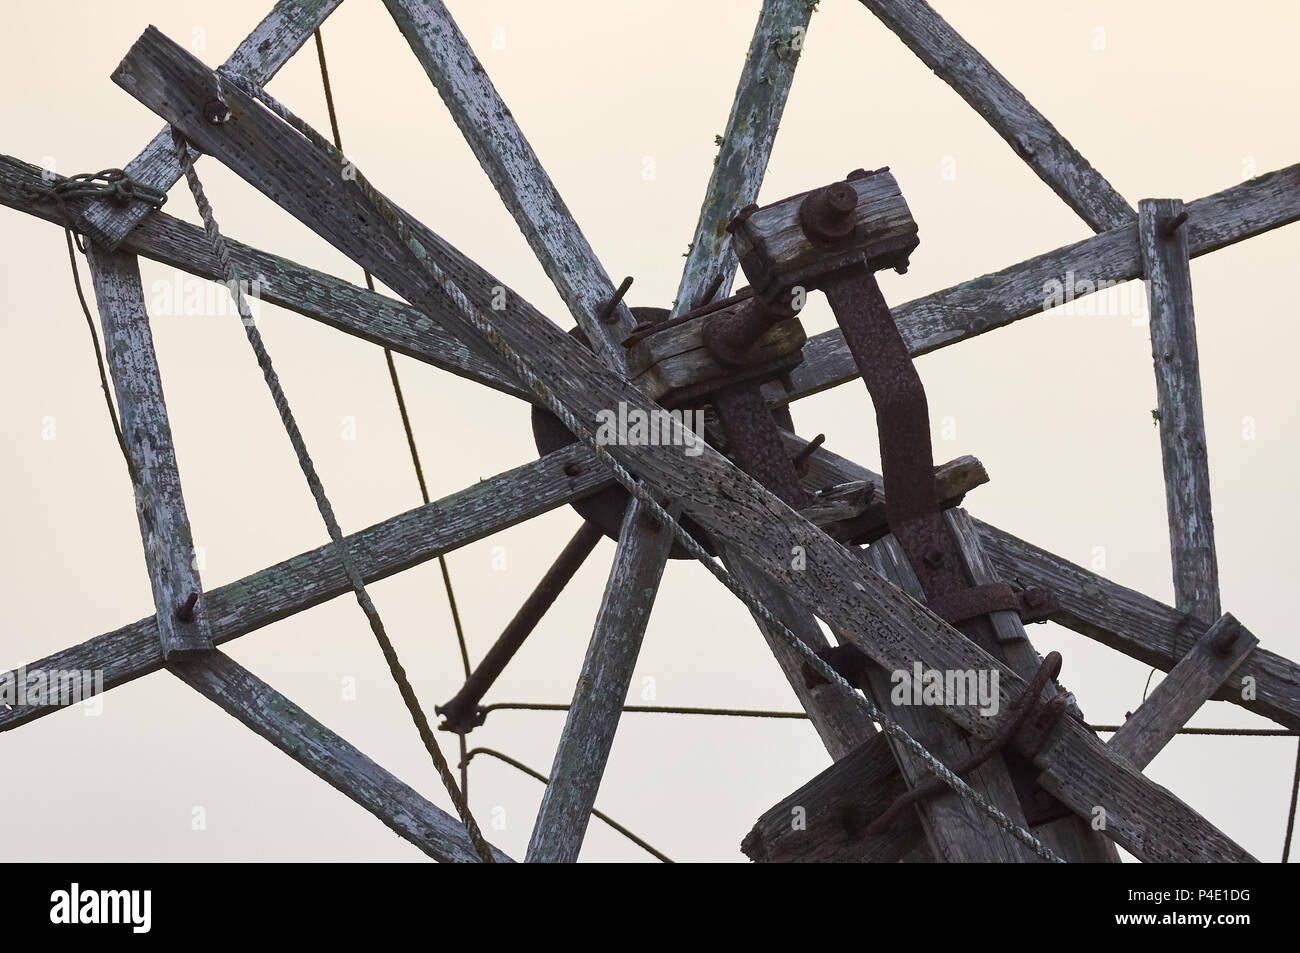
(406, 419)
(218, 244)
(397, 221)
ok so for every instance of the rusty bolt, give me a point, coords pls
(827, 214)
(185, 612)
(740, 217)
(215, 112)
(1225, 640)
(1170, 228)
(609, 311)
(572, 469)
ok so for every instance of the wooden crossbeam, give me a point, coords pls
(1006, 109)
(890, 628)
(183, 625)
(357, 311)
(1178, 408)
(257, 58)
(1142, 627)
(935, 321)
(260, 707)
(313, 577)
(1067, 273)
(1135, 624)
(1191, 683)
(316, 576)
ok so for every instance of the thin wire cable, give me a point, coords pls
(322, 502)
(653, 710)
(397, 221)
(532, 773)
(99, 356)
(406, 419)
(1290, 814)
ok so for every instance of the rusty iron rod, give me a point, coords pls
(462, 713)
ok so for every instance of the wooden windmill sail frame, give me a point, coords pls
(863, 600)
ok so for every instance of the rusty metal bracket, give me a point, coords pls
(1032, 605)
(1025, 706)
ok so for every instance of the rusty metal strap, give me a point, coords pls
(1032, 605)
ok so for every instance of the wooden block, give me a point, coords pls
(823, 821)
(776, 254)
(673, 365)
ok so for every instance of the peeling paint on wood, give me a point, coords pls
(1006, 109)
(316, 576)
(1191, 683)
(892, 629)
(257, 58)
(159, 504)
(260, 707)
(1179, 414)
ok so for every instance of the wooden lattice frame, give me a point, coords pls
(1077, 768)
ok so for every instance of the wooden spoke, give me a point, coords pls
(1142, 627)
(513, 168)
(182, 617)
(589, 727)
(313, 577)
(884, 623)
(1006, 109)
(1074, 271)
(746, 146)
(1178, 407)
(257, 58)
(260, 707)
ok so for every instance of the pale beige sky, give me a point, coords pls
(1164, 98)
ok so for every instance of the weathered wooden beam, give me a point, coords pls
(513, 168)
(358, 311)
(824, 821)
(257, 58)
(1064, 274)
(1006, 109)
(316, 576)
(957, 830)
(311, 578)
(1191, 683)
(741, 163)
(589, 727)
(892, 629)
(260, 707)
(1178, 407)
(1142, 627)
(183, 626)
